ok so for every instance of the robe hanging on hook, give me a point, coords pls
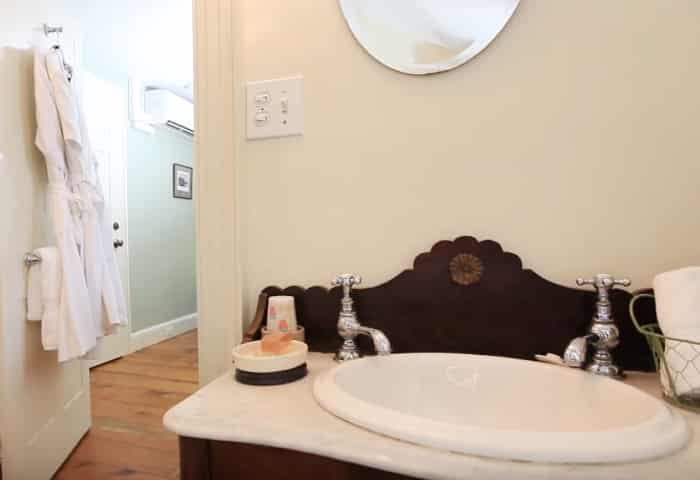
(58, 30)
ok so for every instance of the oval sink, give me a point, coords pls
(501, 407)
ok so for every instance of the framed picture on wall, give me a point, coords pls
(182, 181)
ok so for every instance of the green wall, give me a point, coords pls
(161, 230)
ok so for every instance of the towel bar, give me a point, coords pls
(31, 259)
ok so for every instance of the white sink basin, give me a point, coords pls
(501, 407)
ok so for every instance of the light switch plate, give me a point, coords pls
(275, 108)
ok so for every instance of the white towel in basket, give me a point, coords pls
(678, 310)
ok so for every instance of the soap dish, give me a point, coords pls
(253, 367)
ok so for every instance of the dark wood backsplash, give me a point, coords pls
(468, 296)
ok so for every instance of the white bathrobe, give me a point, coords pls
(91, 283)
(102, 274)
(75, 332)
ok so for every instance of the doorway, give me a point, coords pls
(108, 44)
(140, 60)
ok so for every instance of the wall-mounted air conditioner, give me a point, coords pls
(161, 105)
(166, 108)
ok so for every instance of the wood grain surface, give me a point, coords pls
(213, 460)
(505, 310)
(129, 398)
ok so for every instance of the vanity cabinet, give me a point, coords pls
(230, 431)
(210, 459)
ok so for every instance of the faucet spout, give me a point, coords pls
(381, 344)
(577, 350)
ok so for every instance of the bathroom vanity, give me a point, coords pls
(515, 419)
(229, 430)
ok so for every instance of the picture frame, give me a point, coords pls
(183, 177)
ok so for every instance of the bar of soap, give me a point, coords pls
(276, 343)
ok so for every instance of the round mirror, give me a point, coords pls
(426, 36)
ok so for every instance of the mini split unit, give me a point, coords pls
(170, 106)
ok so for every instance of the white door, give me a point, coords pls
(44, 405)
(106, 110)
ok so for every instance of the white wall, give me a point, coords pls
(152, 39)
(573, 140)
(19, 19)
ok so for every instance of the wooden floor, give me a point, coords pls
(129, 398)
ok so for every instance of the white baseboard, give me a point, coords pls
(164, 331)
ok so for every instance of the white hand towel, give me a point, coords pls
(44, 294)
(35, 301)
(678, 302)
(51, 292)
(678, 311)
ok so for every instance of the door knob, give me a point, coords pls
(118, 243)
(115, 226)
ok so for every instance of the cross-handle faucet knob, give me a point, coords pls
(347, 281)
(603, 282)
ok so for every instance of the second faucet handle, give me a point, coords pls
(347, 281)
(603, 282)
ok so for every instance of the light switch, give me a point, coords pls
(262, 119)
(275, 108)
(262, 98)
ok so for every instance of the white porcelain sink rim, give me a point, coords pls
(664, 433)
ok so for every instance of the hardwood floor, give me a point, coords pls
(129, 397)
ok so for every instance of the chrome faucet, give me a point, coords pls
(349, 326)
(603, 334)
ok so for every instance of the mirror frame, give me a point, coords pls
(426, 69)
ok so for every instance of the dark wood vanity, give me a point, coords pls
(464, 296)
(209, 459)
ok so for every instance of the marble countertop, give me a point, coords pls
(287, 416)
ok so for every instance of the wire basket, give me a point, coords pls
(677, 361)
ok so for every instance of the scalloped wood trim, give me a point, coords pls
(511, 311)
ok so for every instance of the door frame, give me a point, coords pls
(218, 229)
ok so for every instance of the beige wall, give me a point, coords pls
(573, 140)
